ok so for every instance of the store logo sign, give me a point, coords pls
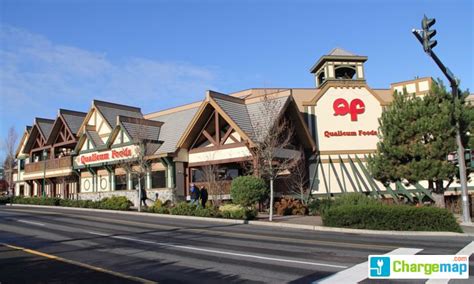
(342, 107)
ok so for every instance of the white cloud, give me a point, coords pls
(40, 76)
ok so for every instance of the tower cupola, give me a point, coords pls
(339, 64)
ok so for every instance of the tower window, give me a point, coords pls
(321, 78)
(345, 73)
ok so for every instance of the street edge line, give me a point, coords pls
(73, 262)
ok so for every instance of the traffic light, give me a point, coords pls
(428, 44)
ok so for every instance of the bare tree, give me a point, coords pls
(9, 145)
(273, 152)
(298, 182)
(139, 166)
(215, 182)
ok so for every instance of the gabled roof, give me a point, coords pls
(71, 119)
(251, 118)
(110, 111)
(45, 126)
(24, 137)
(94, 138)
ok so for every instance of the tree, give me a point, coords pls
(9, 150)
(274, 134)
(417, 133)
(248, 190)
(215, 182)
(298, 182)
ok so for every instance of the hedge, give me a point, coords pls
(112, 203)
(4, 200)
(248, 190)
(391, 217)
(229, 211)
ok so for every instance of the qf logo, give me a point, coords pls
(379, 266)
(342, 107)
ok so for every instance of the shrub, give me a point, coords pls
(248, 190)
(159, 210)
(290, 206)
(183, 208)
(319, 206)
(391, 217)
(51, 201)
(4, 200)
(354, 199)
(114, 203)
(235, 211)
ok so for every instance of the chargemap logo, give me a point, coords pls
(418, 267)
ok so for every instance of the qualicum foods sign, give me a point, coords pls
(122, 153)
(354, 108)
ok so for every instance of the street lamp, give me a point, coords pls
(44, 172)
(425, 36)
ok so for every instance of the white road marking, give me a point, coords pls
(467, 250)
(31, 222)
(358, 272)
(220, 252)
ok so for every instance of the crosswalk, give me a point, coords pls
(358, 272)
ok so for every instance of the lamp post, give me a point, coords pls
(44, 173)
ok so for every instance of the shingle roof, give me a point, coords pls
(110, 111)
(95, 138)
(254, 119)
(174, 125)
(73, 119)
(45, 126)
(340, 52)
(142, 129)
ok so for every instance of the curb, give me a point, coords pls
(263, 223)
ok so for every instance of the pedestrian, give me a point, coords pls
(143, 197)
(204, 196)
(193, 194)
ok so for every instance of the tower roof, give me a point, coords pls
(337, 54)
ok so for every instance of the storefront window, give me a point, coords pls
(120, 182)
(158, 179)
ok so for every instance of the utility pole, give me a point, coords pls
(424, 36)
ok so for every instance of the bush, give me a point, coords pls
(391, 217)
(51, 201)
(319, 206)
(112, 203)
(248, 190)
(290, 206)
(183, 208)
(4, 200)
(235, 211)
(354, 199)
(115, 203)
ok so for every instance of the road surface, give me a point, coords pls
(40, 245)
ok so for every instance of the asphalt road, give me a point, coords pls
(41, 245)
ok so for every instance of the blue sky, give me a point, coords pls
(159, 54)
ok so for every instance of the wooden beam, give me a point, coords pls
(227, 134)
(218, 129)
(209, 137)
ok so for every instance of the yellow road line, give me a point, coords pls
(222, 233)
(84, 265)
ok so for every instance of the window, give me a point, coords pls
(22, 190)
(158, 179)
(345, 73)
(121, 182)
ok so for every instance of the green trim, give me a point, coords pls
(328, 190)
(344, 170)
(336, 175)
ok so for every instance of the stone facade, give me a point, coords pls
(164, 194)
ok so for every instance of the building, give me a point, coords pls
(335, 127)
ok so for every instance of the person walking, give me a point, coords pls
(204, 196)
(143, 197)
(194, 194)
